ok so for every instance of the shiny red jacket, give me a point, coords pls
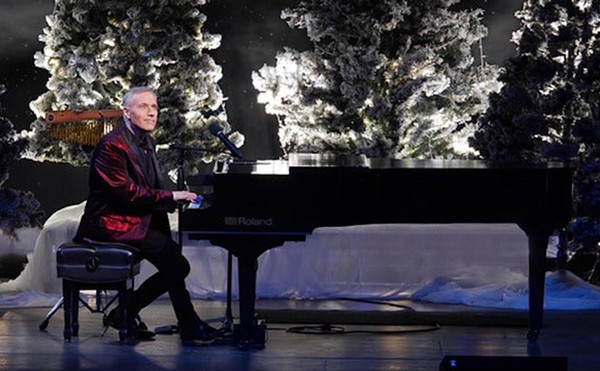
(121, 205)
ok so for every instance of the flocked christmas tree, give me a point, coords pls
(96, 50)
(548, 104)
(18, 208)
(548, 108)
(384, 78)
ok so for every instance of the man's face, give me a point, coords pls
(142, 111)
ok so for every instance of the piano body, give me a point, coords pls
(259, 205)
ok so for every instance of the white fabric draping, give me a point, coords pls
(473, 264)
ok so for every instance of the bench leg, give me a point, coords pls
(124, 331)
(75, 311)
(68, 309)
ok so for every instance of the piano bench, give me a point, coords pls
(95, 266)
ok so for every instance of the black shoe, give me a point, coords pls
(136, 329)
(138, 333)
(202, 332)
(111, 319)
(225, 332)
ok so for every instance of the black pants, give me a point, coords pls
(173, 268)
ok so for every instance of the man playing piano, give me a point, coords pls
(127, 203)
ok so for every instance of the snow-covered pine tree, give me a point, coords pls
(548, 103)
(96, 50)
(548, 108)
(18, 208)
(384, 78)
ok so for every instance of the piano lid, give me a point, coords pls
(315, 160)
(268, 167)
(282, 167)
(390, 163)
(326, 160)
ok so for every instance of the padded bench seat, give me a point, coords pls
(98, 266)
(96, 263)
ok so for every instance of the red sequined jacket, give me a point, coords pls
(121, 205)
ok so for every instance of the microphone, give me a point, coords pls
(217, 131)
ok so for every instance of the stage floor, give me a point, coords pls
(307, 335)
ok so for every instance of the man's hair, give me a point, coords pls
(134, 91)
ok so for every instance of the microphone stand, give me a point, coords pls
(182, 152)
(227, 322)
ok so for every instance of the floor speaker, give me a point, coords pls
(493, 363)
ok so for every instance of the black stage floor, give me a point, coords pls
(312, 335)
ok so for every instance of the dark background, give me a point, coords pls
(252, 35)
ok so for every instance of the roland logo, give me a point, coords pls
(248, 221)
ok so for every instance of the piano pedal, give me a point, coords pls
(257, 335)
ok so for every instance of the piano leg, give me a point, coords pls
(538, 243)
(248, 333)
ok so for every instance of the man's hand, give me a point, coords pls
(180, 196)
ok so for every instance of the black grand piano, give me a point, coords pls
(258, 205)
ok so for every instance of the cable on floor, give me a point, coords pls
(380, 302)
(328, 329)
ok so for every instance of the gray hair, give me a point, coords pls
(134, 91)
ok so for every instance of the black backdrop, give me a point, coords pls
(252, 35)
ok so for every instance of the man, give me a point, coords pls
(127, 203)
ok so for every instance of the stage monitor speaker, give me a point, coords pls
(496, 363)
